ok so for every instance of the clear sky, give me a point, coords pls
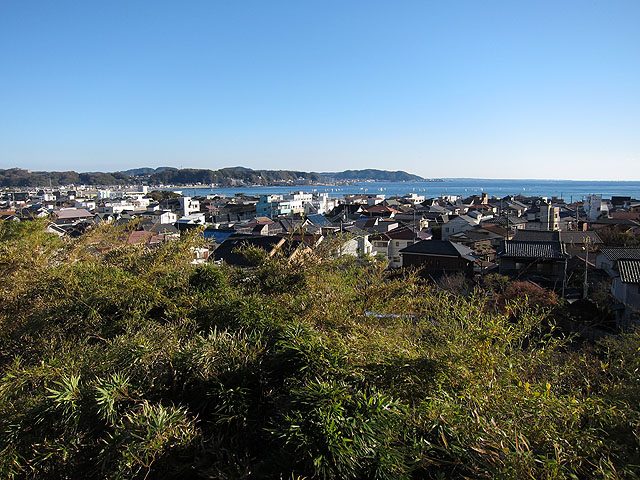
(489, 89)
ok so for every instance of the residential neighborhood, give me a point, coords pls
(569, 248)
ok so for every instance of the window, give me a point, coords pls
(397, 244)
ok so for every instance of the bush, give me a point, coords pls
(135, 363)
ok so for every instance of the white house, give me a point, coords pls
(188, 206)
(164, 217)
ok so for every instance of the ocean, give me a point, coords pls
(569, 190)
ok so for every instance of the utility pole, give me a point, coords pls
(586, 264)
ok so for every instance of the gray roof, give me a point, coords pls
(512, 220)
(476, 234)
(543, 250)
(629, 271)
(620, 253)
(536, 236)
(579, 237)
(444, 248)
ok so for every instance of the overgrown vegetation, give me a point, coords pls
(135, 363)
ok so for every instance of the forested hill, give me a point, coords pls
(372, 174)
(189, 176)
(17, 177)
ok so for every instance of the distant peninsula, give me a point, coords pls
(233, 176)
(375, 175)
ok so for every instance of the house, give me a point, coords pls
(380, 210)
(392, 242)
(542, 261)
(483, 243)
(458, 224)
(69, 216)
(625, 287)
(435, 258)
(609, 256)
(190, 221)
(356, 242)
(230, 251)
(163, 216)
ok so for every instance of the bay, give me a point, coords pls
(569, 190)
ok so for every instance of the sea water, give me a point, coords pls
(569, 190)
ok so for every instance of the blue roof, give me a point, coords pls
(319, 220)
(218, 235)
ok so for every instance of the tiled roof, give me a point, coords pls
(438, 247)
(579, 237)
(629, 271)
(543, 250)
(536, 236)
(620, 253)
(503, 221)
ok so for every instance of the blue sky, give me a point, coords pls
(488, 89)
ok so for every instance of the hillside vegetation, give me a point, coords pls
(373, 174)
(17, 177)
(125, 362)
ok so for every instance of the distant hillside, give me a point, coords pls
(372, 174)
(17, 177)
(231, 176)
(146, 170)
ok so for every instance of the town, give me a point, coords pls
(576, 250)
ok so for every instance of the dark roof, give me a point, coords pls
(319, 220)
(620, 253)
(542, 250)
(536, 236)
(579, 237)
(616, 221)
(476, 235)
(227, 250)
(163, 228)
(218, 235)
(442, 248)
(629, 271)
(503, 220)
(401, 233)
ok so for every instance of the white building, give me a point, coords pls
(164, 217)
(594, 207)
(188, 206)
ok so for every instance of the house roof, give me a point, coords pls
(401, 233)
(227, 251)
(163, 228)
(541, 250)
(512, 220)
(626, 215)
(629, 271)
(476, 235)
(620, 253)
(73, 213)
(497, 229)
(442, 248)
(139, 236)
(579, 238)
(218, 235)
(379, 208)
(536, 236)
(319, 220)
